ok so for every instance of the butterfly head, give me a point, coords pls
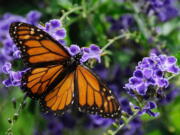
(76, 58)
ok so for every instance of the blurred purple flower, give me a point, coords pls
(33, 17)
(125, 105)
(95, 121)
(68, 121)
(164, 10)
(125, 22)
(168, 95)
(54, 127)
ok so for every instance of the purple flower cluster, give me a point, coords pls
(55, 29)
(14, 77)
(163, 9)
(151, 71)
(93, 52)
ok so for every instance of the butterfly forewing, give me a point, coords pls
(36, 80)
(37, 47)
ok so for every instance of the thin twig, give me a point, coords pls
(69, 12)
(124, 124)
(171, 77)
(92, 9)
(15, 116)
(113, 40)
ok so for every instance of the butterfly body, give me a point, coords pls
(57, 79)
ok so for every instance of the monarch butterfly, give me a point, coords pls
(57, 79)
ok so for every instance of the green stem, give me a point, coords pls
(124, 124)
(171, 77)
(69, 12)
(84, 13)
(87, 12)
(15, 116)
(113, 40)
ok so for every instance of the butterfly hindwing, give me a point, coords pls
(36, 80)
(93, 96)
(59, 99)
(37, 47)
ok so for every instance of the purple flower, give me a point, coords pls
(96, 121)
(6, 67)
(124, 22)
(171, 93)
(33, 17)
(55, 29)
(55, 23)
(151, 72)
(14, 79)
(56, 125)
(93, 52)
(74, 49)
(53, 127)
(147, 109)
(126, 106)
(68, 121)
(164, 10)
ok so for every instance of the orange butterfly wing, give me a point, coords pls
(37, 47)
(36, 80)
(61, 97)
(86, 90)
(94, 96)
